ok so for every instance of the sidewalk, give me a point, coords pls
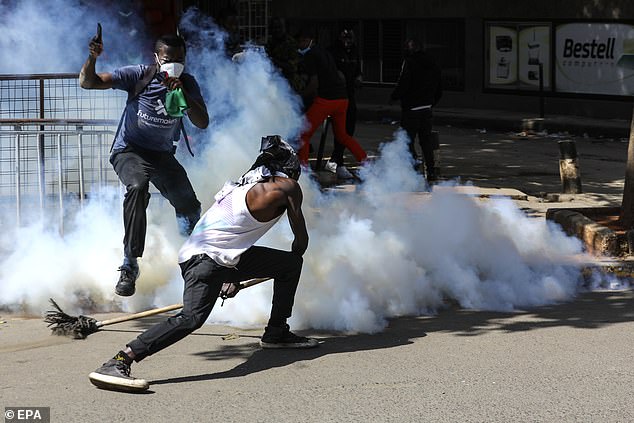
(503, 120)
(486, 148)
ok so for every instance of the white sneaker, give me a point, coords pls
(331, 166)
(344, 173)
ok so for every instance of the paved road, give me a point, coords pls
(565, 363)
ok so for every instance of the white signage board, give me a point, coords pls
(595, 58)
(515, 52)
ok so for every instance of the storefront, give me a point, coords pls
(579, 56)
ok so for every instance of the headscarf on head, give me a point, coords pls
(277, 158)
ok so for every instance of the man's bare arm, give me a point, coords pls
(88, 77)
(294, 198)
(197, 111)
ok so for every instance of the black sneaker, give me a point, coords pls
(282, 337)
(115, 375)
(127, 279)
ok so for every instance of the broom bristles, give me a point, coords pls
(63, 324)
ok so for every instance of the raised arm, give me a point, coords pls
(88, 77)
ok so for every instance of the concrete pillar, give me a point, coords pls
(569, 168)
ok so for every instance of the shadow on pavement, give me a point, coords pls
(400, 332)
(592, 310)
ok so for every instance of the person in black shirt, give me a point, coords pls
(419, 89)
(282, 50)
(327, 87)
(348, 62)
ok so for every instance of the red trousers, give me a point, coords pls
(316, 114)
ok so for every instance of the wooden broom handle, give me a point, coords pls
(165, 309)
(139, 315)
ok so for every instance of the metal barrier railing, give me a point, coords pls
(56, 96)
(54, 145)
(59, 158)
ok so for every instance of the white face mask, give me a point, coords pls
(173, 69)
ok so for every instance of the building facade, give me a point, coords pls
(578, 55)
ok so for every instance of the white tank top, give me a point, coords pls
(226, 230)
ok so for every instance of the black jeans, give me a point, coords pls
(136, 168)
(203, 280)
(419, 122)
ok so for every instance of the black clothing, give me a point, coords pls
(419, 87)
(419, 122)
(348, 62)
(203, 280)
(419, 83)
(320, 62)
(282, 51)
(138, 167)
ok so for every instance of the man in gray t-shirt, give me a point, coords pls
(143, 149)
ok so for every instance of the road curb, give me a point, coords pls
(597, 239)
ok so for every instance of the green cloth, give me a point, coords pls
(175, 103)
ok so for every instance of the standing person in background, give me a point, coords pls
(282, 50)
(419, 89)
(230, 22)
(143, 148)
(327, 87)
(346, 55)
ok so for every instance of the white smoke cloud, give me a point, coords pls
(388, 249)
(53, 37)
(384, 251)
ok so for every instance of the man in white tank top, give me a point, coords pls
(221, 250)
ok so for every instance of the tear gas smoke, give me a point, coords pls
(386, 250)
(53, 36)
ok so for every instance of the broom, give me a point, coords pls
(79, 327)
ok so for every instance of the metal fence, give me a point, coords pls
(54, 144)
(56, 96)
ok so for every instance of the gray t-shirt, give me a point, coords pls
(146, 123)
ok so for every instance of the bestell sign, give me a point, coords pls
(592, 50)
(595, 58)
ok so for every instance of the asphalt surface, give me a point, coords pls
(566, 363)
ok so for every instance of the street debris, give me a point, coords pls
(230, 337)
